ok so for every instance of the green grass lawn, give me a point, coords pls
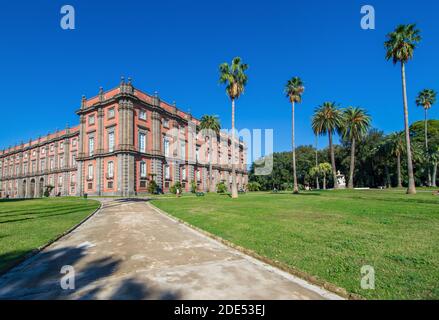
(332, 234)
(28, 224)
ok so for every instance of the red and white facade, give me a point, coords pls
(125, 139)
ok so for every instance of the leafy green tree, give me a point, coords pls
(328, 119)
(294, 90)
(221, 187)
(400, 47)
(356, 123)
(211, 125)
(426, 98)
(325, 169)
(235, 79)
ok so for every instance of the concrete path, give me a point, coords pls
(128, 250)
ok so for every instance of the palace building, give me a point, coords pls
(125, 139)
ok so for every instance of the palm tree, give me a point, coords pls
(325, 169)
(212, 126)
(235, 79)
(396, 146)
(426, 98)
(294, 90)
(356, 123)
(328, 119)
(435, 159)
(400, 46)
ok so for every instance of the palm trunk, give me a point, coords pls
(398, 167)
(317, 163)
(324, 181)
(234, 186)
(433, 182)
(352, 167)
(411, 187)
(426, 147)
(296, 188)
(334, 170)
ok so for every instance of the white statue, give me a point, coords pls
(341, 180)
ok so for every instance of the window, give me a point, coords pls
(33, 153)
(197, 155)
(110, 169)
(33, 166)
(51, 148)
(52, 163)
(61, 146)
(73, 160)
(74, 142)
(142, 115)
(110, 185)
(90, 185)
(183, 174)
(91, 120)
(51, 180)
(43, 150)
(183, 150)
(142, 142)
(111, 113)
(167, 172)
(90, 171)
(60, 181)
(24, 169)
(111, 141)
(166, 123)
(61, 162)
(73, 179)
(166, 146)
(91, 146)
(143, 169)
(43, 164)
(198, 175)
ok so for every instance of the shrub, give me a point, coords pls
(152, 187)
(221, 187)
(193, 187)
(48, 190)
(253, 186)
(173, 189)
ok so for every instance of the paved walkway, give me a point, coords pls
(130, 251)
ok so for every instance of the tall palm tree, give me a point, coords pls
(396, 146)
(356, 123)
(328, 119)
(294, 90)
(400, 46)
(235, 79)
(212, 126)
(426, 98)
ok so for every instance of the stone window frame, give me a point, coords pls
(90, 173)
(145, 133)
(143, 112)
(89, 118)
(91, 136)
(143, 164)
(110, 173)
(111, 130)
(109, 116)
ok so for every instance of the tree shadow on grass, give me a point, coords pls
(39, 277)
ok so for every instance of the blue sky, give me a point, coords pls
(175, 47)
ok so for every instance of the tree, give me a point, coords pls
(212, 126)
(325, 169)
(235, 79)
(400, 47)
(294, 90)
(426, 98)
(395, 145)
(356, 123)
(328, 119)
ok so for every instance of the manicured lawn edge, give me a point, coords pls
(291, 270)
(17, 262)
